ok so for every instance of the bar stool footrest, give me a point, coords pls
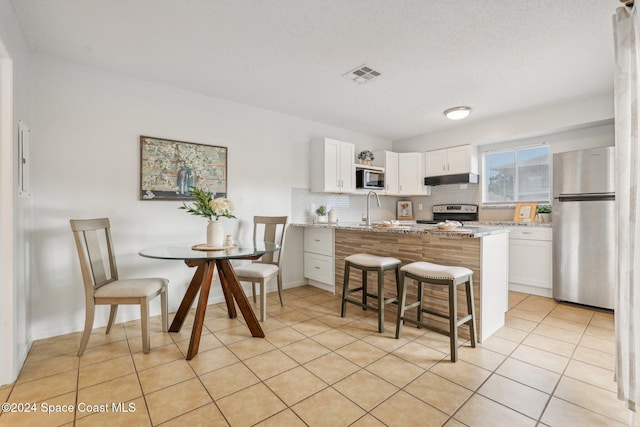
(461, 321)
(424, 325)
(370, 307)
(435, 313)
(464, 320)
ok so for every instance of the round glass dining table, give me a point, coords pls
(186, 253)
(205, 261)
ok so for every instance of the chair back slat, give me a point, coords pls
(97, 260)
(273, 230)
(95, 257)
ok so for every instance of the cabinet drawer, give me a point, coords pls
(531, 233)
(319, 267)
(318, 240)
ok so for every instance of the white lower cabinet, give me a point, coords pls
(319, 265)
(530, 258)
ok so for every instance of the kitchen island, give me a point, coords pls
(484, 250)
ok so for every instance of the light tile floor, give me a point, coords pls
(551, 365)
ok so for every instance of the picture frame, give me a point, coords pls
(525, 212)
(169, 168)
(404, 209)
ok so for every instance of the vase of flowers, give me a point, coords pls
(366, 157)
(206, 205)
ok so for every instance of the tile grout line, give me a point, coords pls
(584, 332)
(551, 395)
(474, 392)
(318, 316)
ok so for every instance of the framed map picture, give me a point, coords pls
(168, 169)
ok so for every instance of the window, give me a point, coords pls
(520, 175)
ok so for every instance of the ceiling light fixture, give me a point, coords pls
(457, 113)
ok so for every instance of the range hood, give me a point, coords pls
(461, 178)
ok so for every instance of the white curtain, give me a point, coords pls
(627, 301)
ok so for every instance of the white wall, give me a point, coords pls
(86, 164)
(15, 212)
(557, 118)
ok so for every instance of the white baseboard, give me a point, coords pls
(324, 286)
(532, 290)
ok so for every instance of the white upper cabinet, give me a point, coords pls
(332, 166)
(403, 173)
(436, 163)
(389, 161)
(410, 176)
(451, 161)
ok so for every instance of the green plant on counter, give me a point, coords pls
(322, 210)
(543, 209)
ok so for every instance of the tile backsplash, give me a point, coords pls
(352, 207)
(348, 207)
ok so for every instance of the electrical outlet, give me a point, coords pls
(313, 207)
(419, 206)
(463, 186)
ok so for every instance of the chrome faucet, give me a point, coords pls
(369, 207)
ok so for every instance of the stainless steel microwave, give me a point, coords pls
(369, 179)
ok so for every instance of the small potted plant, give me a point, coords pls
(544, 213)
(321, 213)
(366, 157)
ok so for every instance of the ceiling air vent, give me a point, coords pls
(362, 74)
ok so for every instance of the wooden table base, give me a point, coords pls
(231, 289)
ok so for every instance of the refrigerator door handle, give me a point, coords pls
(586, 197)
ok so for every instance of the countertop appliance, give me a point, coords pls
(452, 212)
(584, 227)
(370, 179)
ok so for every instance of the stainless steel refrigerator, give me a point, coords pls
(583, 220)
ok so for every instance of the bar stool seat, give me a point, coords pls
(435, 274)
(365, 263)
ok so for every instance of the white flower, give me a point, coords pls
(221, 207)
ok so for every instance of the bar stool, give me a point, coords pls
(366, 263)
(426, 272)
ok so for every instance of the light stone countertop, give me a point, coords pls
(510, 224)
(471, 231)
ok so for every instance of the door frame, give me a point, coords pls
(8, 360)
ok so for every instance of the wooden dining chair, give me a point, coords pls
(269, 229)
(102, 284)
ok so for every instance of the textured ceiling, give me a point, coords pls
(289, 56)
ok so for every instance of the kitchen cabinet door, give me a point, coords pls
(389, 161)
(530, 260)
(332, 171)
(436, 163)
(332, 166)
(410, 174)
(347, 167)
(451, 161)
(459, 160)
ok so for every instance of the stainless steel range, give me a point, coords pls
(453, 213)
